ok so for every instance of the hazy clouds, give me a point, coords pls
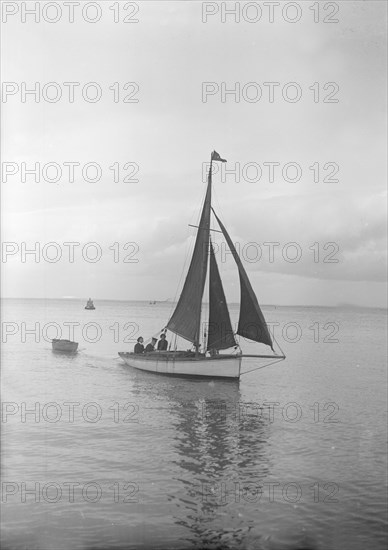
(170, 132)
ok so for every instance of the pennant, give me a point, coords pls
(216, 156)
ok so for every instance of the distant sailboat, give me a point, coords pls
(89, 304)
(185, 321)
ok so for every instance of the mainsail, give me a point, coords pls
(186, 319)
(251, 322)
(220, 332)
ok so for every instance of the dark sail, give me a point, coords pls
(185, 320)
(220, 332)
(251, 323)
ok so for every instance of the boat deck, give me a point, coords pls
(175, 355)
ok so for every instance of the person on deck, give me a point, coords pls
(162, 344)
(151, 345)
(139, 348)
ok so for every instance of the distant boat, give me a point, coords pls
(205, 358)
(65, 346)
(89, 304)
(152, 303)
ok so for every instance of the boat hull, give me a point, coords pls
(64, 346)
(86, 307)
(221, 366)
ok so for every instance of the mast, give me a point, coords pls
(186, 318)
(209, 187)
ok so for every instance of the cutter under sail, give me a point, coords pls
(186, 318)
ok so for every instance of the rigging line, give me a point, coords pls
(219, 208)
(222, 217)
(274, 339)
(263, 367)
(197, 226)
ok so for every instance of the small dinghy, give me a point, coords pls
(65, 346)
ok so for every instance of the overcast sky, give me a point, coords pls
(170, 132)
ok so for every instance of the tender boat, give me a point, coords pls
(65, 346)
(207, 357)
(89, 304)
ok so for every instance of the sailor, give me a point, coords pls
(151, 345)
(139, 348)
(162, 344)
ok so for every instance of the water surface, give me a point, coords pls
(96, 454)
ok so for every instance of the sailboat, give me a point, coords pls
(205, 358)
(89, 304)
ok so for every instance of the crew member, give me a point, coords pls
(151, 345)
(162, 344)
(139, 348)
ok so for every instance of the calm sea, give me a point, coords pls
(98, 455)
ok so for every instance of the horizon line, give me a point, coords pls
(343, 305)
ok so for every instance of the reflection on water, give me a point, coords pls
(221, 451)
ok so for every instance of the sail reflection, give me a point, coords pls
(221, 453)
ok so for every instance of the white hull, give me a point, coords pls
(227, 366)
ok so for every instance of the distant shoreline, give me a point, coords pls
(171, 303)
